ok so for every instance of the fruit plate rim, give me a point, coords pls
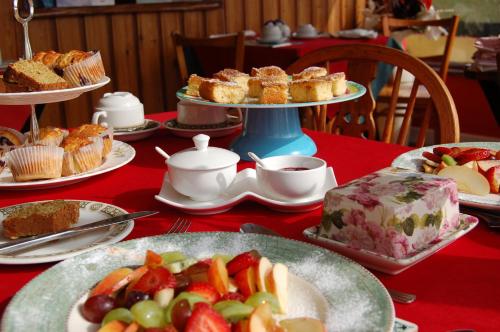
(356, 90)
(412, 160)
(112, 162)
(94, 211)
(391, 265)
(375, 308)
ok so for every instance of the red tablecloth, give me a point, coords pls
(456, 287)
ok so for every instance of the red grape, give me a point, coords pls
(181, 311)
(135, 296)
(96, 307)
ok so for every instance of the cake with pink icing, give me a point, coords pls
(392, 212)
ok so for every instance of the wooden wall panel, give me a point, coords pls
(9, 33)
(304, 12)
(151, 77)
(270, 10)
(71, 36)
(194, 24)
(320, 14)
(334, 15)
(253, 15)
(288, 13)
(98, 37)
(215, 21)
(126, 62)
(235, 20)
(170, 22)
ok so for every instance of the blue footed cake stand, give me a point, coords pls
(274, 129)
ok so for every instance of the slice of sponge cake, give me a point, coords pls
(36, 76)
(310, 90)
(221, 92)
(233, 75)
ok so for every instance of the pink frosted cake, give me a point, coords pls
(391, 212)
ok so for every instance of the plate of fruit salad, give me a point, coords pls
(200, 282)
(475, 166)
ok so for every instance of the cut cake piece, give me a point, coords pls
(36, 76)
(310, 90)
(310, 72)
(339, 83)
(221, 92)
(233, 75)
(41, 218)
(274, 93)
(193, 87)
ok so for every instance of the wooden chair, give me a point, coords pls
(234, 41)
(356, 118)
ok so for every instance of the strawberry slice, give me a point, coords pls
(233, 296)
(204, 289)
(440, 150)
(242, 261)
(154, 280)
(206, 319)
(472, 154)
(455, 151)
(493, 177)
(431, 156)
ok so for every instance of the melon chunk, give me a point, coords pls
(468, 180)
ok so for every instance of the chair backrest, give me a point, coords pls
(356, 118)
(390, 24)
(230, 41)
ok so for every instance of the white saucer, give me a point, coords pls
(244, 187)
(138, 133)
(388, 264)
(212, 132)
(271, 42)
(318, 35)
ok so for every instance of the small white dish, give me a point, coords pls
(58, 250)
(244, 187)
(227, 129)
(388, 264)
(145, 131)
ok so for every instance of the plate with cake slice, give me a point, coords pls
(35, 218)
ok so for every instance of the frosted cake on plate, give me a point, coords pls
(392, 212)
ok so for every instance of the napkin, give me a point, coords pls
(357, 33)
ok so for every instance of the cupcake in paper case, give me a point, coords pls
(96, 130)
(81, 154)
(50, 136)
(392, 212)
(35, 162)
(88, 70)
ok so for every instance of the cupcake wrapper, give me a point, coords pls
(35, 162)
(84, 159)
(86, 72)
(107, 137)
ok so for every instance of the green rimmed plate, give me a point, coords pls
(357, 301)
(355, 90)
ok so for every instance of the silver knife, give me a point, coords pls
(31, 241)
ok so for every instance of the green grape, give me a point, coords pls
(225, 258)
(190, 297)
(172, 256)
(148, 314)
(233, 311)
(120, 314)
(264, 297)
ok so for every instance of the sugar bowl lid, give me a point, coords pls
(202, 156)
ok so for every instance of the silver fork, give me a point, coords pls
(181, 225)
(401, 297)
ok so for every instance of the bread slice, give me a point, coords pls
(40, 218)
(303, 91)
(310, 72)
(339, 83)
(233, 75)
(274, 93)
(221, 92)
(36, 76)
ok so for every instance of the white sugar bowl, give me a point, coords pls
(202, 172)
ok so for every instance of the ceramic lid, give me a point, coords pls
(119, 99)
(202, 156)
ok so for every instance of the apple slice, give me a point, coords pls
(245, 280)
(493, 177)
(117, 279)
(468, 180)
(302, 324)
(472, 165)
(261, 319)
(218, 276)
(262, 270)
(485, 165)
(278, 285)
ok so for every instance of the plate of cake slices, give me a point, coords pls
(270, 87)
(483, 174)
(317, 283)
(42, 217)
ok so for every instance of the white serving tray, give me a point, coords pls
(244, 187)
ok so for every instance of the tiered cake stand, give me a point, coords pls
(274, 129)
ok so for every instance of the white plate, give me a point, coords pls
(388, 264)
(412, 160)
(134, 135)
(271, 42)
(212, 132)
(120, 155)
(318, 35)
(356, 300)
(244, 187)
(50, 96)
(58, 250)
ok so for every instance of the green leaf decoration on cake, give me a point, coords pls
(410, 180)
(409, 197)
(434, 220)
(408, 226)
